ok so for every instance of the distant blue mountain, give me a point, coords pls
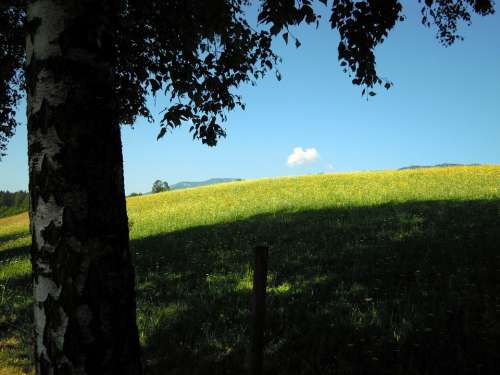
(191, 184)
(442, 165)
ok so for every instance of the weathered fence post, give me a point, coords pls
(258, 309)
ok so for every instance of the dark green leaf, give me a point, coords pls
(285, 37)
(162, 133)
(155, 86)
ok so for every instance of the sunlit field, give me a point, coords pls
(394, 272)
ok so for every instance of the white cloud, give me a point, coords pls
(301, 156)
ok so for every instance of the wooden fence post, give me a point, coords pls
(258, 309)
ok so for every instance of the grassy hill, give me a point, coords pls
(370, 273)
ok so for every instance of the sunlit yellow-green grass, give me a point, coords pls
(14, 296)
(370, 272)
(171, 211)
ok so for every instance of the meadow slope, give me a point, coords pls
(370, 273)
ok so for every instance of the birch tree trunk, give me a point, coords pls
(84, 299)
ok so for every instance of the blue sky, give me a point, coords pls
(444, 107)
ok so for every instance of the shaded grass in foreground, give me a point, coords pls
(398, 288)
(389, 289)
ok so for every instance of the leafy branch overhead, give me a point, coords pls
(198, 52)
(11, 68)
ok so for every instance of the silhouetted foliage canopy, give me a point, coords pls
(197, 52)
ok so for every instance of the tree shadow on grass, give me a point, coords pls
(16, 322)
(389, 289)
(11, 237)
(8, 255)
(16, 311)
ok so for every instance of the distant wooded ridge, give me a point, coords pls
(13, 203)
